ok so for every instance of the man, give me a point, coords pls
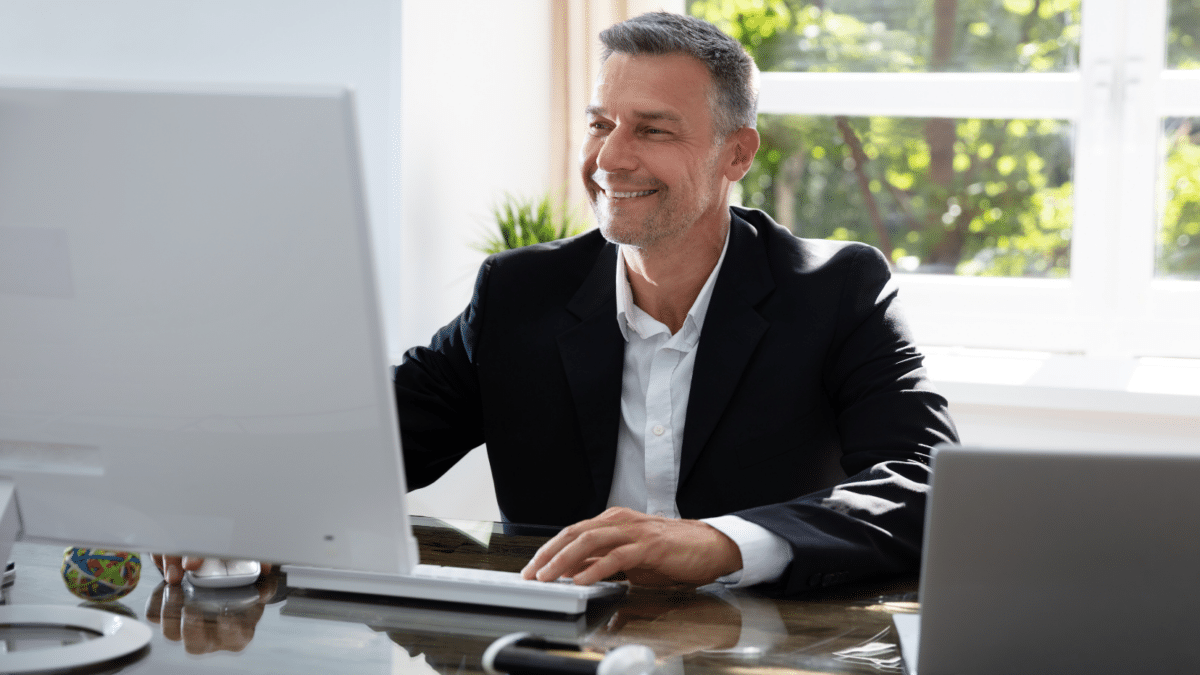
(687, 361)
(731, 372)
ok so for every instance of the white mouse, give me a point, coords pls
(219, 573)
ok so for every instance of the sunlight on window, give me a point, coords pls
(1008, 36)
(1179, 205)
(971, 197)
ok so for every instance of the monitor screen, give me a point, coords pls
(191, 355)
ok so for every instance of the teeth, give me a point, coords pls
(627, 195)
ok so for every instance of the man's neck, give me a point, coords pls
(667, 278)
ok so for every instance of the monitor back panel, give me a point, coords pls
(1060, 562)
(192, 351)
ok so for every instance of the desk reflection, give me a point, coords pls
(266, 629)
(209, 620)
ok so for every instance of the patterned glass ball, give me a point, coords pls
(98, 575)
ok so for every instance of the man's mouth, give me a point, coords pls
(628, 195)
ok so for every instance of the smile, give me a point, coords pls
(627, 195)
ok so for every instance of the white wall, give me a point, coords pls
(353, 43)
(475, 115)
(475, 110)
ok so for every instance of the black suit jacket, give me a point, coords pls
(809, 412)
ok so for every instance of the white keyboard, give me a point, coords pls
(457, 584)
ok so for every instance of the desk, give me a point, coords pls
(271, 629)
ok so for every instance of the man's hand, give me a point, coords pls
(173, 567)
(651, 550)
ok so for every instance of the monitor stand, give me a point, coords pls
(118, 635)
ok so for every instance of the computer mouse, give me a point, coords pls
(220, 573)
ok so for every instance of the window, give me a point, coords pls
(1031, 167)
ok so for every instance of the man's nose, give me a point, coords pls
(617, 152)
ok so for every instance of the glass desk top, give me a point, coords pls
(271, 629)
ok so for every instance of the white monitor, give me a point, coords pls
(191, 354)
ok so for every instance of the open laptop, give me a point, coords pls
(191, 351)
(1058, 562)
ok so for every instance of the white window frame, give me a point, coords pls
(1112, 305)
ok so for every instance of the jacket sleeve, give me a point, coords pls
(438, 396)
(888, 418)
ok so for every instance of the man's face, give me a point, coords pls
(650, 164)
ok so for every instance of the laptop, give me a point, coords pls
(1056, 561)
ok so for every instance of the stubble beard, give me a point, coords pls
(667, 221)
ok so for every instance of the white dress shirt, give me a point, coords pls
(655, 385)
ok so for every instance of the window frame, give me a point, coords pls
(1112, 305)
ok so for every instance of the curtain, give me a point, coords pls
(575, 62)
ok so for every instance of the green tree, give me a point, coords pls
(1179, 208)
(985, 197)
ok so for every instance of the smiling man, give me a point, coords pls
(691, 391)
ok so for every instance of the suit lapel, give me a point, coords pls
(593, 354)
(732, 330)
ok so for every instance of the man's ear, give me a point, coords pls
(744, 142)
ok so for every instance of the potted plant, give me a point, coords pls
(522, 221)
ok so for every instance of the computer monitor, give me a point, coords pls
(191, 354)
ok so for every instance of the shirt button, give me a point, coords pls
(658, 429)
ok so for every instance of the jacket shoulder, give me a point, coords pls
(569, 257)
(808, 255)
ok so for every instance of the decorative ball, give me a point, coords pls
(100, 576)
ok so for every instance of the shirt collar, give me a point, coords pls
(629, 315)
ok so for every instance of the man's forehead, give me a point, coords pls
(650, 86)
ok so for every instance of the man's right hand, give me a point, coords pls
(173, 567)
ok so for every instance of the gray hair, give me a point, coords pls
(733, 72)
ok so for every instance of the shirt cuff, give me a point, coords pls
(765, 555)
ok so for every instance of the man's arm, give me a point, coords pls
(888, 418)
(437, 395)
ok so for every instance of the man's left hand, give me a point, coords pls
(651, 550)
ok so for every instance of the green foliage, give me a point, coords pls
(901, 35)
(1183, 35)
(521, 222)
(1179, 237)
(1179, 207)
(969, 196)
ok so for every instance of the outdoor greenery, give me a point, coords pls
(967, 196)
(1179, 207)
(523, 221)
(1179, 238)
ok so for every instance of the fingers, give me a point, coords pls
(173, 567)
(537, 566)
(651, 549)
(609, 547)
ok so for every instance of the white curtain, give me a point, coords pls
(575, 50)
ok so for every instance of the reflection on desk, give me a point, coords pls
(269, 629)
